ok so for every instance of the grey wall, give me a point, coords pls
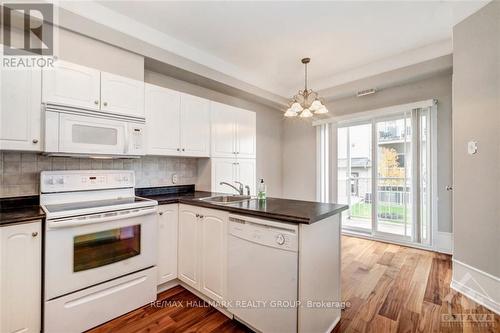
(20, 172)
(476, 116)
(299, 138)
(269, 127)
(299, 159)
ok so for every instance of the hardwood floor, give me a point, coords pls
(390, 288)
(394, 288)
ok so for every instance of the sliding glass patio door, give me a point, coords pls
(383, 175)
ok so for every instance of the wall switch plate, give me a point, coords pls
(472, 147)
(175, 179)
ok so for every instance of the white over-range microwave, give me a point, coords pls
(72, 131)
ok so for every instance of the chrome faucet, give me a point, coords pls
(239, 190)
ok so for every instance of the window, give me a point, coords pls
(383, 173)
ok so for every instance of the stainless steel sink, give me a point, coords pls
(226, 199)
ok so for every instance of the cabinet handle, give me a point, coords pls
(96, 102)
(35, 140)
(34, 234)
(105, 103)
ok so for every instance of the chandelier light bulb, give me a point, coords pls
(321, 110)
(296, 107)
(306, 113)
(316, 105)
(290, 113)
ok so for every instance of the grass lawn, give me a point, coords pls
(394, 213)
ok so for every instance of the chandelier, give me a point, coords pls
(307, 102)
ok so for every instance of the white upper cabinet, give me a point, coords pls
(246, 173)
(230, 170)
(79, 86)
(233, 132)
(167, 242)
(223, 170)
(223, 130)
(162, 120)
(122, 95)
(245, 134)
(20, 277)
(195, 126)
(20, 110)
(177, 123)
(71, 84)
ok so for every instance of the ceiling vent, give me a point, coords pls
(366, 92)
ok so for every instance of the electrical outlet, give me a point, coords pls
(175, 179)
(472, 147)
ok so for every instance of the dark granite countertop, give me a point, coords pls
(18, 210)
(24, 209)
(285, 210)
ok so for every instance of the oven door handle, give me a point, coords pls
(105, 217)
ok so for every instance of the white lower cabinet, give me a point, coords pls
(168, 217)
(202, 250)
(20, 277)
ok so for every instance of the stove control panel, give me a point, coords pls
(84, 180)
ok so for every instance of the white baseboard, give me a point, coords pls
(335, 322)
(483, 288)
(444, 242)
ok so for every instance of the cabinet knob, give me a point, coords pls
(201, 216)
(105, 103)
(197, 215)
(178, 149)
(160, 213)
(183, 149)
(35, 140)
(96, 102)
(34, 234)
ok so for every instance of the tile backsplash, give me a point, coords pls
(20, 172)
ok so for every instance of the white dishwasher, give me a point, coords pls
(262, 273)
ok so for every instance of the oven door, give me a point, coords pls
(86, 250)
(92, 135)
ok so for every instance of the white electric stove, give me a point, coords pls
(100, 248)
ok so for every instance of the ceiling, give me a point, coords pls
(262, 42)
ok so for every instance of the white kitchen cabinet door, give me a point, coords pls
(213, 253)
(223, 130)
(73, 85)
(195, 126)
(20, 110)
(245, 134)
(168, 218)
(188, 246)
(122, 95)
(223, 170)
(20, 277)
(246, 173)
(162, 120)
